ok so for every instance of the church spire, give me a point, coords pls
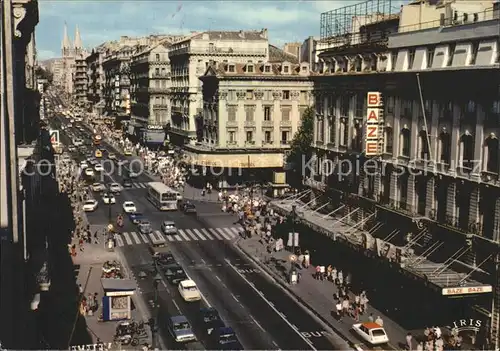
(78, 39)
(66, 44)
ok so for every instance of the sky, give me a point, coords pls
(103, 20)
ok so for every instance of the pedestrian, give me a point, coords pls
(338, 307)
(409, 342)
(379, 321)
(370, 318)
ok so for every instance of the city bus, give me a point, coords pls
(162, 196)
(97, 140)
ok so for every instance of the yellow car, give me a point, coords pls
(98, 153)
(127, 152)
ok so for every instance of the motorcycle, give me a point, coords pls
(119, 222)
(126, 339)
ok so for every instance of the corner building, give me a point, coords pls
(434, 189)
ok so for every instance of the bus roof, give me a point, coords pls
(161, 188)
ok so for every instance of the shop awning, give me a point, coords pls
(118, 284)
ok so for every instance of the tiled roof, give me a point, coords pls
(278, 55)
(241, 69)
(234, 35)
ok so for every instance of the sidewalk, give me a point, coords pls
(317, 296)
(88, 265)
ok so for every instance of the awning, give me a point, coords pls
(118, 284)
(237, 160)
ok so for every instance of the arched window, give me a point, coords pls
(444, 148)
(423, 145)
(491, 154)
(405, 142)
(388, 139)
(467, 150)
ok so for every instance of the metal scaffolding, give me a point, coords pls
(343, 22)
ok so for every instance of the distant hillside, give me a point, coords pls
(278, 55)
(48, 62)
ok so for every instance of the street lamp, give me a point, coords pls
(292, 218)
(153, 320)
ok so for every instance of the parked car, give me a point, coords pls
(189, 291)
(129, 207)
(371, 332)
(90, 205)
(168, 227)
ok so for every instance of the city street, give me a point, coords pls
(261, 314)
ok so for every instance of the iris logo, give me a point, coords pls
(467, 324)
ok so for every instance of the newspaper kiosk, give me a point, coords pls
(116, 302)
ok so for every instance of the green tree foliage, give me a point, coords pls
(44, 74)
(301, 147)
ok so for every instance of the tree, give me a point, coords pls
(41, 72)
(301, 148)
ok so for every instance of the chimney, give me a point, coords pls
(263, 33)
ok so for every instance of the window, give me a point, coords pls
(231, 113)
(231, 136)
(444, 146)
(405, 142)
(304, 68)
(467, 145)
(394, 58)
(286, 69)
(451, 54)
(411, 58)
(249, 114)
(267, 137)
(491, 154)
(267, 69)
(474, 51)
(231, 69)
(360, 105)
(286, 94)
(157, 57)
(423, 146)
(249, 95)
(250, 69)
(157, 71)
(285, 114)
(211, 47)
(249, 136)
(331, 105)
(331, 132)
(406, 107)
(163, 71)
(267, 113)
(390, 103)
(388, 140)
(284, 137)
(344, 105)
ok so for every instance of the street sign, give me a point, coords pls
(54, 137)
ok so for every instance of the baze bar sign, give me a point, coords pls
(94, 347)
(374, 124)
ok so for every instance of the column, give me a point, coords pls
(377, 186)
(474, 206)
(350, 120)
(397, 128)
(434, 132)
(455, 138)
(393, 195)
(478, 143)
(430, 196)
(337, 117)
(496, 223)
(414, 130)
(410, 199)
(451, 208)
(362, 179)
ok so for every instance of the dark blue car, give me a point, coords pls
(210, 319)
(224, 338)
(136, 217)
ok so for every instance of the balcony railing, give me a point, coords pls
(267, 123)
(160, 75)
(158, 90)
(160, 106)
(285, 123)
(217, 51)
(232, 123)
(249, 123)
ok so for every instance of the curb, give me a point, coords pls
(301, 301)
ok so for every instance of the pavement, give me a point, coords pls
(317, 296)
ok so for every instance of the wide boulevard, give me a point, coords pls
(261, 314)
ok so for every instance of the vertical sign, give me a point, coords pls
(374, 136)
(54, 137)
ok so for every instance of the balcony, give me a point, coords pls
(160, 106)
(285, 123)
(160, 75)
(267, 124)
(217, 51)
(231, 143)
(158, 90)
(250, 124)
(232, 124)
(249, 143)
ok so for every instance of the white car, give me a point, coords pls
(89, 172)
(129, 207)
(83, 164)
(90, 205)
(133, 174)
(98, 187)
(115, 188)
(371, 332)
(108, 199)
(98, 167)
(189, 291)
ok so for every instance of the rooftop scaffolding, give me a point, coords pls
(359, 23)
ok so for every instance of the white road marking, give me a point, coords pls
(119, 241)
(217, 277)
(234, 297)
(184, 236)
(214, 232)
(170, 237)
(136, 185)
(190, 233)
(127, 238)
(199, 234)
(176, 306)
(136, 237)
(306, 340)
(177, 237)
(207, 234)
(223, 234)
(257, 323)
(230, 233)
(144, 238)
(142, 185)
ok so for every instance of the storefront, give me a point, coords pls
(153, 135)
(116, 302)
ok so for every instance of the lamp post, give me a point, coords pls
(153, 320)
(292, 217)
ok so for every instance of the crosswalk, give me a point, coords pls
(185, 235)
(138, 185)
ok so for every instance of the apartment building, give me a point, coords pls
(80, 81)
(250, 113)
(116, 90)
(95, 81)
(150, 84)
(432, 182)
(189, 59)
